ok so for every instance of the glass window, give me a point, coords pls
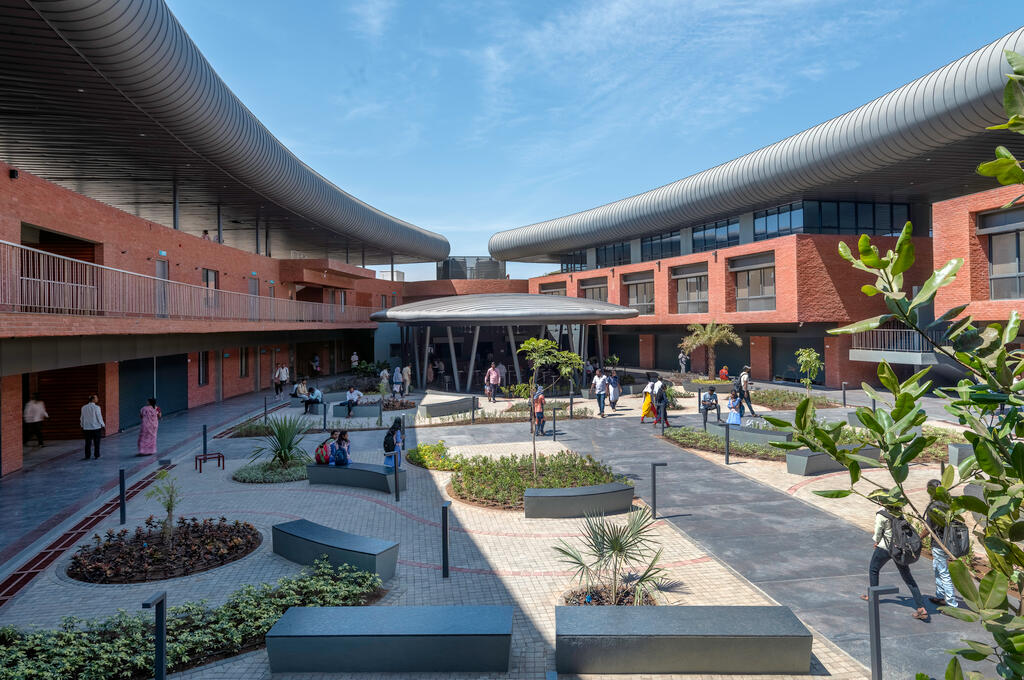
(243, 362)
(865, 217)
(552, 288)
(576, 261)
(796, 218)
(599, 293)
(760, 226)
(811, 215)
(829, 217)
(641, 296)
(719, 234)
(692, 295)
(847, 217)
(204, 368)
(900, 216)
(660, 246)
(613, 254)
(883, 216)
(1006, 268)
(755, 290)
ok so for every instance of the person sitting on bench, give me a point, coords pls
(352, 398)
(300, 391)
(315, 397)
(710, 401)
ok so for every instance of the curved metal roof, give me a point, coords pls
(133, 105)
(499, 309)
(920, 142)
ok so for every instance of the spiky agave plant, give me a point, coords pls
(283, 441)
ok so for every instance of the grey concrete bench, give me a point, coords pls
(600, 499)
(681, 640)
(362, 475)
(959, 452)
(738, 434)
(304, 542)
(391, 640)
(447, 408)
(371, 410)
(805, 462)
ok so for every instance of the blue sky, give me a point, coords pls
(467, 117)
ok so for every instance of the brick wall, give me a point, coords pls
(10, 423)
(761, 357)
(646, 349)
(838, 366)
(201, 394)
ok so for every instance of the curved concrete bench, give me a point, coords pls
(805, 462)
(600, 499)
(362, 475)
(683, 640)
(304, 542)
(391, 639)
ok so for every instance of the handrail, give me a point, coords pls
(896, 340)
(35, 281)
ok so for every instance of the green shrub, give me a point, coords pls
(711, 381)
(786, 399)
(121, 646)
(269, 472)
(432, 456)
(705, 441)
(282, 443)
(500, 482)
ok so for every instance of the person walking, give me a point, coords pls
(613, 389)
(599, 385)
(935, 524)
(883, 540)
(683, 362)
(430, 373)
(661, 404)
(151, 415)
(538, 410)
(280, 379)
(35, 413)
(734, 405)
(502, 373)
(385, 375)
(745, 390)
(396, 383)
(648, 405)
(407, 379)
(492, 379)
(91, 420)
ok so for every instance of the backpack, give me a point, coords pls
(955, 534)
(738, 386)
(389, 442)
(323, 453)
(905, 545)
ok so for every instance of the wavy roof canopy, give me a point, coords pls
(112, 99)
(919, 143)
(500, 309)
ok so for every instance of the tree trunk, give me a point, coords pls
(711, 361)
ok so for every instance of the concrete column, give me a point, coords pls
(455, 364)
(415, 333)
(515, 355)
(472, 359)
(426, 357)
(219, 365)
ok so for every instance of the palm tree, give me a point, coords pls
(709, 337)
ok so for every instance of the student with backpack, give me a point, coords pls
(393, 444)
(954, 535)
(896, 540)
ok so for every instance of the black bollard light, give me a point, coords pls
(654, 488)
(123, 500)
(570, 403)
(874, 628)
(204, 439)
(159, 601)
(844, 394)
(444, 538)
(324, 407)
(727, 443)
(554, 424)
(264, 410)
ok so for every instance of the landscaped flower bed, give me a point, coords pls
(391, 404)
(786, 399)
(271, 472)
(121, 646)
(145, 555)
(549, 407)
(601, 595)
(692, 438)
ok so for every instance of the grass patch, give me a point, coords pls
(781, 400)
(271, 472)
(121, 646)
(705, 441)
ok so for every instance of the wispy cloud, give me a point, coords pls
(373, 16)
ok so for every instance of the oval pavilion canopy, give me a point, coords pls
(502, 309)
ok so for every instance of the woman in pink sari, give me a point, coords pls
(151, 415)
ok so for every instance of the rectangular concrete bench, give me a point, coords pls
(358, 411)
(391, 640)
(805, 462)
(304, 542)
(959, 452)
(362, 475)
(600, 499)
(447, 408)
(738, 434)
(681, 640)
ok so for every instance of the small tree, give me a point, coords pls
(541, 352)
(612, 360)
(168, 495)
(810, 365)
(709, 337)
(283, 441)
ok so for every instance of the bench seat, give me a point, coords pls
(684, 640)
(600, 499)
(358, 411)
(447, 408)
(304, 542)
(391, 639)
(362, 475)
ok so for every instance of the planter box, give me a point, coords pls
(684, 640)
(447, 408)
(600, 499)
(358, 411)
(805, 462)
(391, 640)
(738, 434)
(305, 542)
(362, 475)
(959, 452)
(693, 387)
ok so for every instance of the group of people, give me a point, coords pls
(605, 387)
(494, 378)
(400, 380)
(337, 449)
(655, 404)
(738, 401)
(93, 426)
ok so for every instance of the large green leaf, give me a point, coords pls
(992, 591)
(1015, 60)
(804, 414)
(1012, 327)
(862, 325)
(833, 493)
(987, 460)
(1016, 532)
(938, 279)
(964, 583)
(953, 670)
(869, 253)
(1013, 98)
(947, 476)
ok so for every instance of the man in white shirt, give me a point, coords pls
(355, 359)
(745, 391)
(600, 387)
(35, 414)
(503, 372)
(280, 379)
(92, 424)
(352, 398)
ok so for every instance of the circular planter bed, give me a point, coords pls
(144, 555)
(598, 596)
(270, 472)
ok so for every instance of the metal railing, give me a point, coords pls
(896, 340)
(34, 281)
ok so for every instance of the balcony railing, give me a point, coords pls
(896, 340)
(34, 281)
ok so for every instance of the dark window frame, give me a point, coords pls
(698, 305)
(614, 254)
(243, 362)
(203, 368)
(1018, 277)
(755, 303)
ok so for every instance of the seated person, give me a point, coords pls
(352, 398)
(314, 397)
(710, 401)
(340, 448)
(300, 391)
(724, 373)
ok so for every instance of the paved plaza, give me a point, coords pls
(742, 535)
